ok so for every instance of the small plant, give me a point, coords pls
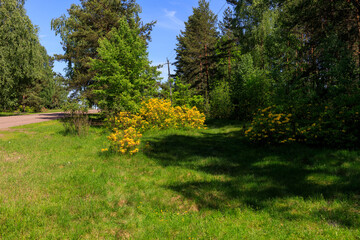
(76, 120)
(29, 109)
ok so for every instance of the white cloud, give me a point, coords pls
(42, 36)
(171, 21)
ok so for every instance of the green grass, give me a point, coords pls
(207, 184)
(6, 114)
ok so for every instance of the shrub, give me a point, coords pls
(127, 128)
(29, 109)
(161, 115)
(313, 124)
(185, 96)
(331, 126)
(125, 120)
(271, 127)
(76, 120)
(125, 141)
(221, 105)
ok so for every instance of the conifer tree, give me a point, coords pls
(195, 61)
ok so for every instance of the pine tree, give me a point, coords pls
(195, 60)
(81, 31)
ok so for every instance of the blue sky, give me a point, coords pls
(170, 16)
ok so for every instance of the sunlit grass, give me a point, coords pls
(206, 184)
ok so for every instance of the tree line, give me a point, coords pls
(271, 52)
(27, 81)
(298, 55)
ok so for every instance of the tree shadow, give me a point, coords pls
(244, 174)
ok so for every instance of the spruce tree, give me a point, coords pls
(195, 60)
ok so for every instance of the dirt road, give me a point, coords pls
(13, 121)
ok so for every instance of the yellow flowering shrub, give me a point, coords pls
(124, 120)
(125, 141)
(161, 115)
(157, 112)
(331, 126)
(270, 127)
(316, 124)
(127, 128)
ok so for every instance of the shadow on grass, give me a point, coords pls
(256, 176)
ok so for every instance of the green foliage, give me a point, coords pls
(25, 70)
(81, 31)
(334, 125)
(251, 89)
(221, 105)
(76, 120)
(271, 127)
(184, 95)
(124, 75)
(195, 62)
(301, 55)
(26, 76)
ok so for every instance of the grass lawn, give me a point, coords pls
(206, 184)
(6, 114)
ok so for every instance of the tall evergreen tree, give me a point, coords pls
(81, 31)
(195, 60)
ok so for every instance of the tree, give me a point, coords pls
(80, 33)
(25, 68)
(124, 75)
(195, 60)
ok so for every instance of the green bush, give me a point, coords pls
(330, 126)
(184, 96)
(336, 126)
(76, 120)
(269, 126)
(221, 106)
(250, 89)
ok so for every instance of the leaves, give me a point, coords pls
(124, 75)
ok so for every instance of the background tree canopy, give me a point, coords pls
(26, 76)
(81, 31)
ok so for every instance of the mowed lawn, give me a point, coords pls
(201, 184)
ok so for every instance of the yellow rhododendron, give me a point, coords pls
(127, 128)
